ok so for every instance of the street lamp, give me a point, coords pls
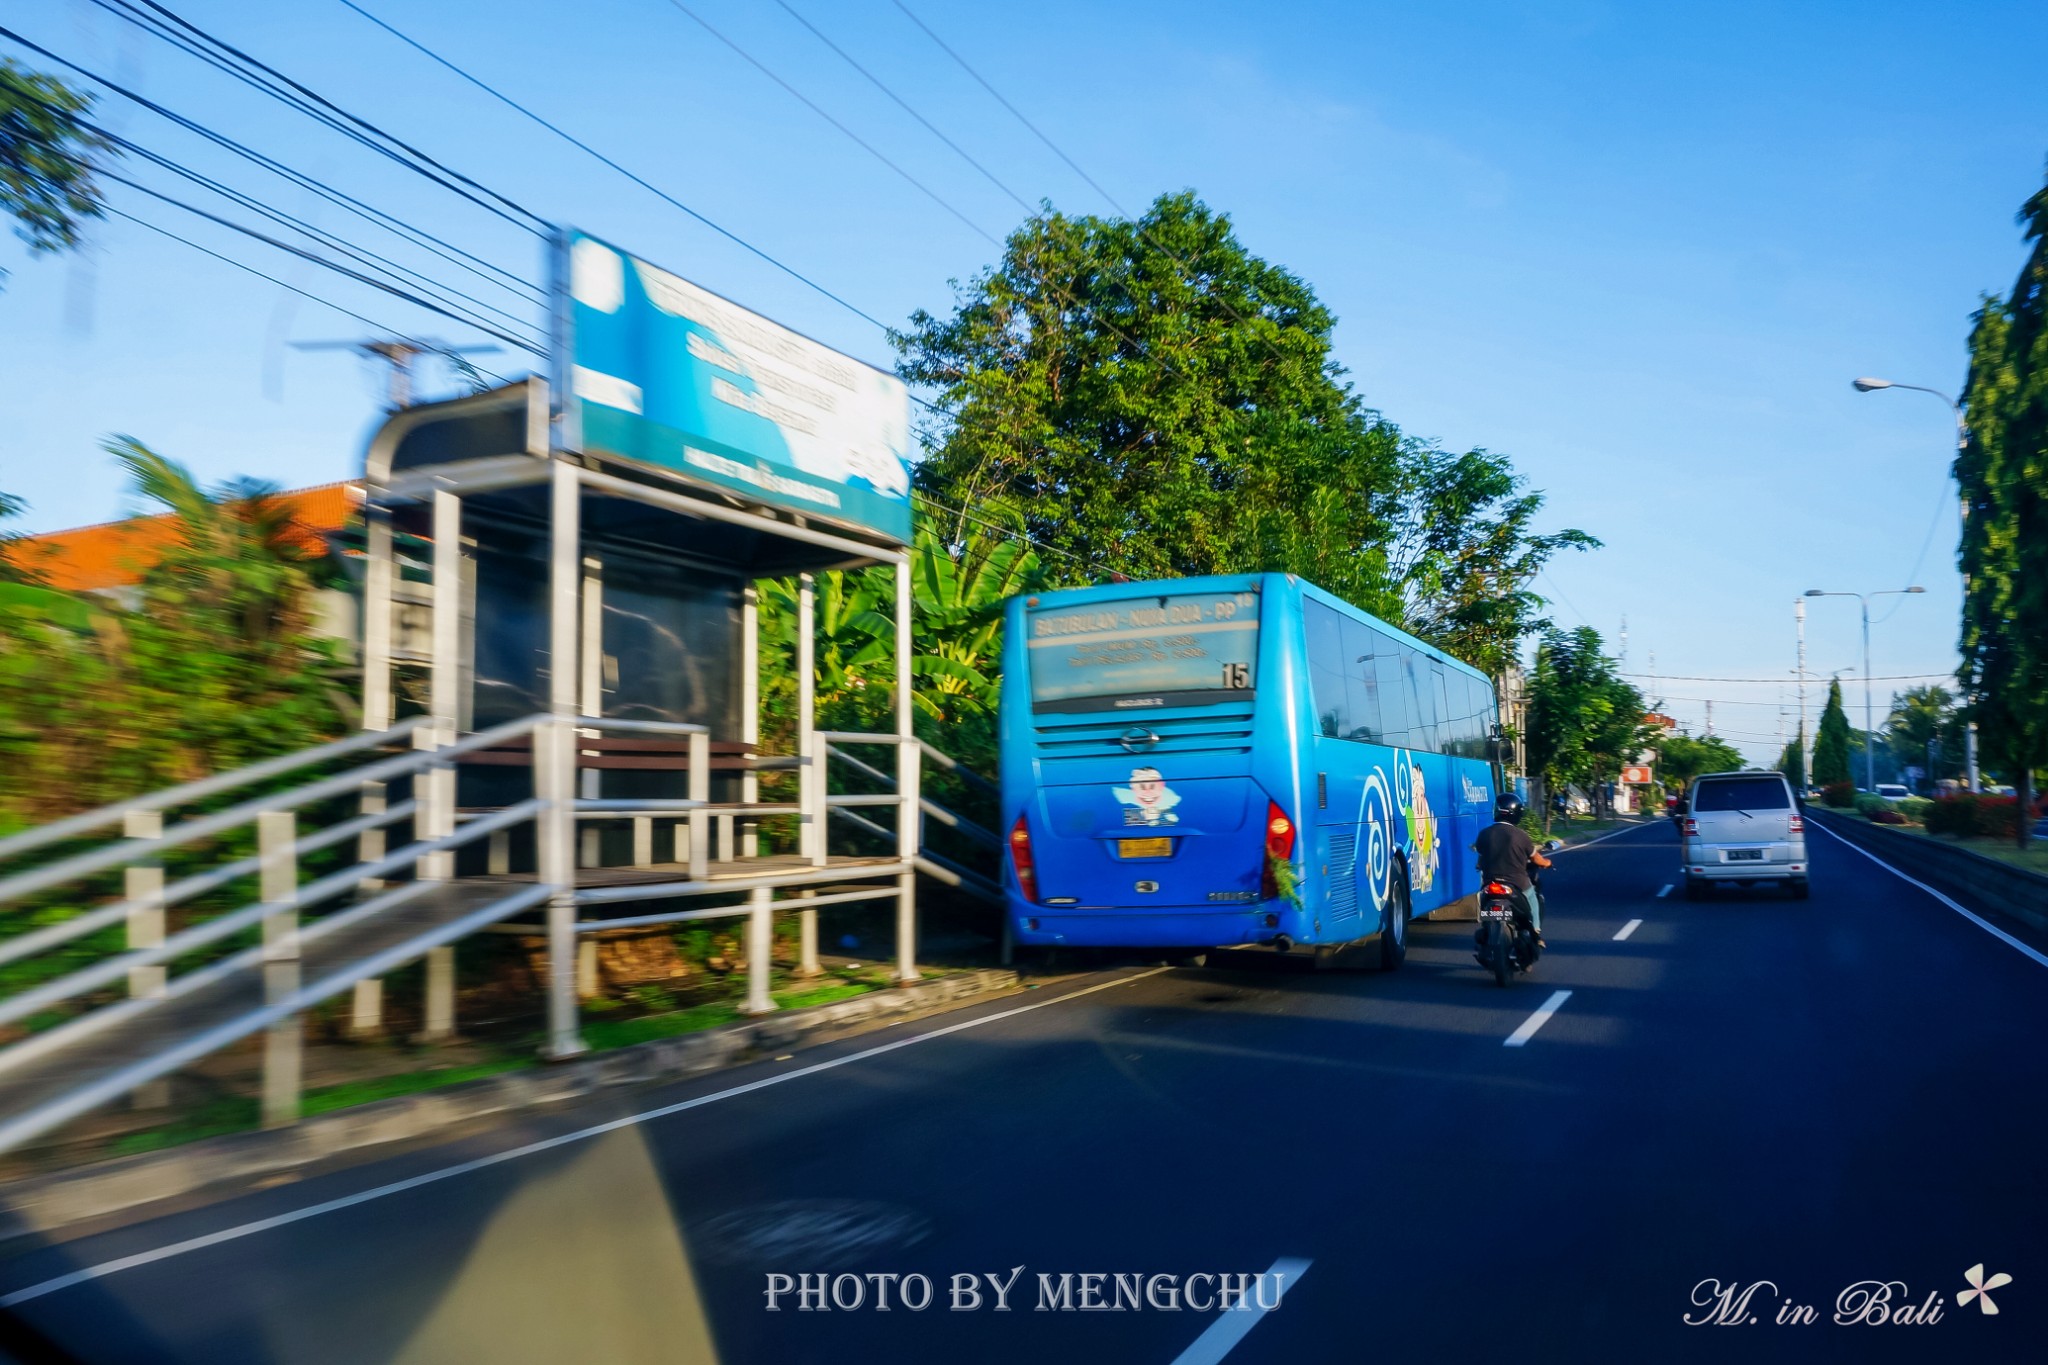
(1869, 735)
(1869, 385)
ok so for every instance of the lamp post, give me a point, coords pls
(1869, 735)
(1869, 385)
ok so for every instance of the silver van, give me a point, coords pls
(1744, 829)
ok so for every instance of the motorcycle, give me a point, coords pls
(1506, 939)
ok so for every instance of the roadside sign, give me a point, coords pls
(665, 372)
(1636, 774)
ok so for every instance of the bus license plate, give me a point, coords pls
(1144, 848)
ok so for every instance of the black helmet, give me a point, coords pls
(1508, 809)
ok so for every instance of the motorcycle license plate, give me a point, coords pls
(1144, 848)
(1495, 912)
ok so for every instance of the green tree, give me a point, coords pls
(2003, 472)
(214, 667)
(1792, 761)
(47, 156)
(1150, 399)
(1681, 758)
(1584, 720)
(1831, 741)
(1922, 729)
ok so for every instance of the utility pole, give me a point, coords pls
(399, 353)
(1805, 739)
(1710, 717)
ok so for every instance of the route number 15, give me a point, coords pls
(1237, 675)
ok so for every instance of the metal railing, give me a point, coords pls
(194, 990)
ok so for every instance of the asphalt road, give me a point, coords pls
(1810, 1094)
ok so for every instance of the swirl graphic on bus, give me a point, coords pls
(1376, 816)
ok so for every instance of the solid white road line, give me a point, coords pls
(1666, 891)
(1969, 915)
(1529, 1026)
(1611, 834)
(1231, 1324)
(1628, 929)
(163, 1253)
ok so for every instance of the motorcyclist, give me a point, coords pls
(1506, 855)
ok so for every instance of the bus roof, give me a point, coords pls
(1243, 582)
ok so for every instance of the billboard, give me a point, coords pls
(670, 374)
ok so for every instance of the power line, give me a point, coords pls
(1682, 677)
(644, 184)
(904, 105)
(808, 103)
(302, 293)
(320, 235)
(398, 150)
(1186, 266)
(1014, 110)
(304, 181)
(303, 254)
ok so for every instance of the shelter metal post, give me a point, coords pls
(750, 713)
(278, 875)
(909, 816)
(591, 676)
(810, 751)
(556, 776)
(366, 1009)
(439, 803)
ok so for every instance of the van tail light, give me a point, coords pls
(1020, 858)
(1692, 828)
(1798, 824)
(1279, 848)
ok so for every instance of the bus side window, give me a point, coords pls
(1328, 676)
(1397, 707)
(1361, 684)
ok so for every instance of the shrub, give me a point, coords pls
(1840, 795)
(1969, 813)
(1887, 817)
(1952, 815)
(1914, 808)
(1871, 806)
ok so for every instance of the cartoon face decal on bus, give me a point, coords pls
(1148, 800)
(1397, 816)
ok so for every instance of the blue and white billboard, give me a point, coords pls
(668, 373)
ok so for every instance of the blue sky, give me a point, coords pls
(1641, 249)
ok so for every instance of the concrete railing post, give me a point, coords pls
(760, 949)
(283, 1043)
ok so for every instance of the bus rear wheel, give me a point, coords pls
(1394, 925)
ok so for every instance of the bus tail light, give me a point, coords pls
(1020, 858)
(1279, 848)
(1692, 828)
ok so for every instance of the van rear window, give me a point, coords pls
(1742, 793)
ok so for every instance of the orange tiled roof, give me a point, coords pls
(116, 554)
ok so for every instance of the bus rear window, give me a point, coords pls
(1184, 649)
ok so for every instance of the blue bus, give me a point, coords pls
(1246, 760)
